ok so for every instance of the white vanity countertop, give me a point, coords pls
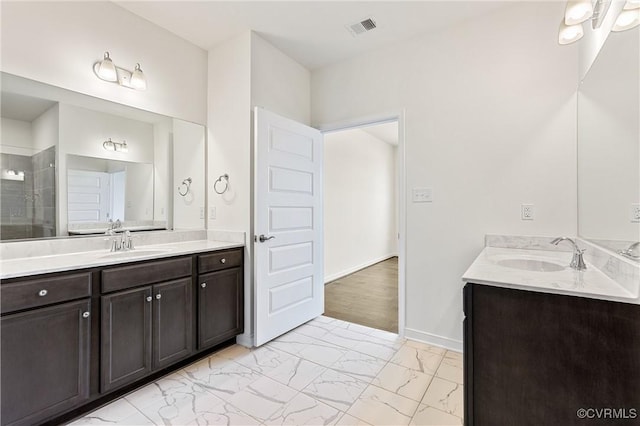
(490, 268)
(26, 266)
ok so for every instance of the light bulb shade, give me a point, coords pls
(109, 145)
(138, 81)
(626, 20)
(569, 33)
(122, 147)
(578, 11)
(630, 4)
(106, 69)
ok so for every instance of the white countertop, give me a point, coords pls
(26, 266)
(591, 283)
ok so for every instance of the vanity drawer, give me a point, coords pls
(123, 277)
(44, 291)
(219, 260)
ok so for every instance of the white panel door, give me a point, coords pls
(288, 255)
(88, 196)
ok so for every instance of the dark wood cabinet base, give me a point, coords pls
(97, 402)
(538, 359)
(73, 341)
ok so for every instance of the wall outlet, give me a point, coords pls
(635, 213)
(212, 213)
(526, 211)
(422, 195)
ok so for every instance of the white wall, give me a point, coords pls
(229, 149)
(359, 202)
(163, 171)
(45, 129)
(16, 137)
(243, 72)
(594, 39)
(490, 115)
(82, 131)
(138, 198)
(188, 162)
(58, 43)
(278, 83)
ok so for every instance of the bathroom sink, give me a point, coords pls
(135, 253)
(535, 265)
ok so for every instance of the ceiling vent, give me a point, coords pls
(361, 27)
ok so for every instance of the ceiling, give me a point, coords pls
(23, 108)
(386, 132)
(311, 32)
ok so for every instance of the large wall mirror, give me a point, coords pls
(72, 164)
(609, 146)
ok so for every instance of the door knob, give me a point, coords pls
(262, 238)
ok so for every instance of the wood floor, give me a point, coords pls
(368, 297)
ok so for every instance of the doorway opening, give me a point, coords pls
(361, 175)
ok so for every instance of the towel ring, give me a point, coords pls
(185, 187)
(225, 183)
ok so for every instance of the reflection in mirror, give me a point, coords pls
(609, 146)
(102, 192)
(52, 146)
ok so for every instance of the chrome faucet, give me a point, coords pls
(115, 225)
(577, 262)
(122, 242)
(628, 252)
(126, 243)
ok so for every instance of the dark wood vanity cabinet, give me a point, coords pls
(534, 358)
(145, 328)
(126, 337)
(220, 297)
(45, 349)
(72, 341)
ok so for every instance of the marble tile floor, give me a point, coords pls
(325, 372)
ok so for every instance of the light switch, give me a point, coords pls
(422, 195)
(635, 213)
(212, 213)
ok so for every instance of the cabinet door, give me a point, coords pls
(539, 358)
(45, 362)
(220, 306)
(172, 322)
(126, 337)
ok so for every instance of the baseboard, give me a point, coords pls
(433, 339)
(333, 277)
(245, 340)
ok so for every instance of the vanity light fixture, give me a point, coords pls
(632, 4)
(578, 11)
(110, 145)
(629, 18)
(106, 70)
(569, 33)
(8, 174)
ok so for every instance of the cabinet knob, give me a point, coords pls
(42, 293)
(158, 296)
(149, 298)
(203, 285)
(223, 260)
(85, 314)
